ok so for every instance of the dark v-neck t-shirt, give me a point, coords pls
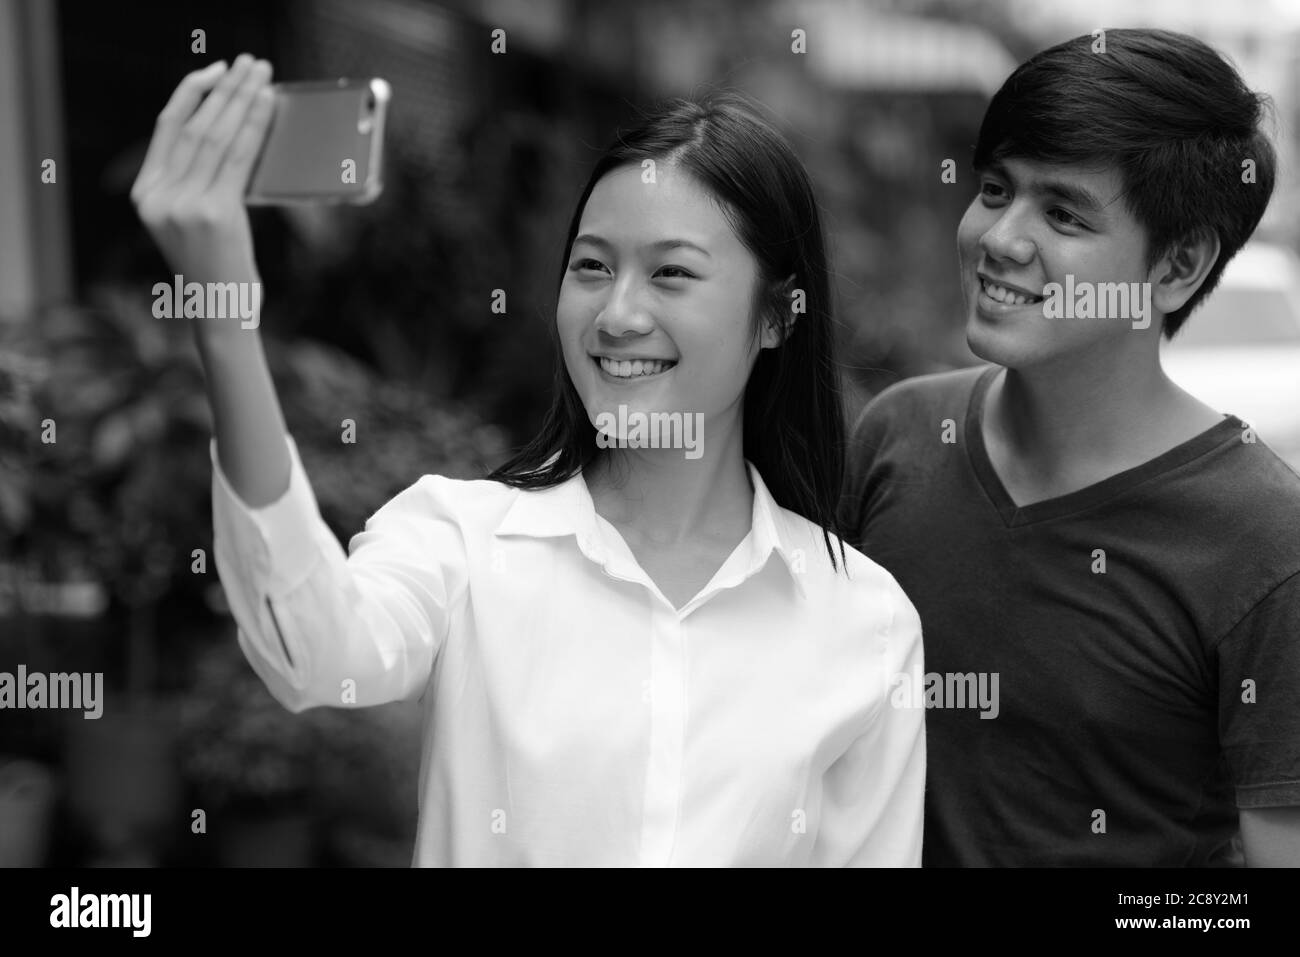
(1109, 674)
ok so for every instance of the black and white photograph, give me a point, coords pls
(650, 434)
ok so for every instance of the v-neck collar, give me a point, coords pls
(1014, 515)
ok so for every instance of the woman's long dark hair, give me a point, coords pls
(793, 422)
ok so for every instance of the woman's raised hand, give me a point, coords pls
(190, 191)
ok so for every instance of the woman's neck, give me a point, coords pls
(668, 499)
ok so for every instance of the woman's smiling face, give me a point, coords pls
(656, 307)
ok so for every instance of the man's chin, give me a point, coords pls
(986, 342)
(998, 345)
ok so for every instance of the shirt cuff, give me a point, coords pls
(279, 540)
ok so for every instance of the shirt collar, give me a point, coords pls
(567, 509)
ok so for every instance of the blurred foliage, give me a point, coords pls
(19, 376)
(237, 744)
(103, 489)
(123, 496)
(240, 749)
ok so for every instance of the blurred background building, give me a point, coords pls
(382, 314)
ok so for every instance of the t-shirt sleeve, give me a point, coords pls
(1259, 700)
(323, 628)
(865, 441)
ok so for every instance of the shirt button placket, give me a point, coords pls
(667, 704)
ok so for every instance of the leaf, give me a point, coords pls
(15, 510)
(113, 439)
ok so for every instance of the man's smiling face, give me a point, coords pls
(1036, 223)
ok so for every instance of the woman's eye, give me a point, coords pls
(586, 265)
(674, 272)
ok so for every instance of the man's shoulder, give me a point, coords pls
(1238, 478)
(1255, 498)
(921, 397)
(1268, 473)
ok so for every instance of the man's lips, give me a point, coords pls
(1004, 293)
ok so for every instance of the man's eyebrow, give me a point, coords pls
(1076, 196)
(662, 245)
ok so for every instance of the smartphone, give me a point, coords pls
(325, 144)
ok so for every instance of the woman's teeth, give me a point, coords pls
(630, 368)
(1002, 294)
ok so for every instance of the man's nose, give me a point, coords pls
(1008, 239)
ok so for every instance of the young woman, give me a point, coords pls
(634, 645)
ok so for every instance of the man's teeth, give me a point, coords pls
(1002, 294)
(629, 368)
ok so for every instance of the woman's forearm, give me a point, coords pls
(247, 419)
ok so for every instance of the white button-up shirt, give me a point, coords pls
(572, 715)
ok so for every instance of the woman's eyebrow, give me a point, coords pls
(661, 245)
(667, 244)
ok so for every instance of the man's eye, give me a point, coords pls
(677, 271)
(1066, 219)
(992, 191)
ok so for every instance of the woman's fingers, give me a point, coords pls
(187, 95)
(232, 178)
(196, 135)
(203, 233)
(220, 136)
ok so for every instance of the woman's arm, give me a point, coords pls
(190, 196)
(325, 627)
(319, 626)
(873, 796)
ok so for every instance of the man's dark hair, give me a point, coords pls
(1169, 111)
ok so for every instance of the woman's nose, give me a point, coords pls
(624, 312)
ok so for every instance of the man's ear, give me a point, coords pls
(785, 305)
(1180, 272)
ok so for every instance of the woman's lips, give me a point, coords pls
(632, 370)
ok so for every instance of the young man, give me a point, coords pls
(1107, 570)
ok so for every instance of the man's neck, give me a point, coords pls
(1053, 430)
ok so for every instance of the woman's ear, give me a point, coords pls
(785, 304)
